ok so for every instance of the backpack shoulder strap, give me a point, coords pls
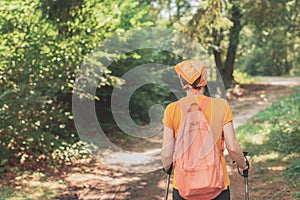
(204, 103)
(182, 106)
(218, 114)
(186, 107)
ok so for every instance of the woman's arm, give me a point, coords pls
(234, 149)
(167, 147)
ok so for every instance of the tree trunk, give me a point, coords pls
(233, 44)
(218, 37)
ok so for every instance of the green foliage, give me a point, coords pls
(39, 60)
(285, 137)
(277, 127)
(297, 195)
(293, 172)
(43, 43)
(282, 117)
(5, 192)
(45, 189)
(242, 77)
(138, 105)
(276, 130)
(269, 42)
(60, 10)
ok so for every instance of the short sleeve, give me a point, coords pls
(168, 116)
(228, 114)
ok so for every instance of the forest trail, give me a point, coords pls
(129, 175)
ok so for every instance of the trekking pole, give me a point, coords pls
(245, 175)
(167, 187)
(169, 172)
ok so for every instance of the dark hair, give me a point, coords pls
(195, 83)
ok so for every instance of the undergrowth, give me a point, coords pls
(276, 130)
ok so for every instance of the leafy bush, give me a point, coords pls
(38, 67)
(242, 77)
(276, 129)
(283, 116)
(277, 126)
(285, 137)
(42, 46)
(293, 172)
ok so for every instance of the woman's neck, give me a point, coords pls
(195, 92)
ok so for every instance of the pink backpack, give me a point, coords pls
(198, 167)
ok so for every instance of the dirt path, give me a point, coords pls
(118, 175)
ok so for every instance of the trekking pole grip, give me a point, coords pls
(169, 171)
(246, 172)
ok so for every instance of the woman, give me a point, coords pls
(192, 76)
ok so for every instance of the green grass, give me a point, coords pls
(272, 137)
(274, 129)
(32, 186)
(29, 192)
(5, 192)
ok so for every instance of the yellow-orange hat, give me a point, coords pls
(191, 70)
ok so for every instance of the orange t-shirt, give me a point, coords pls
(214, 112)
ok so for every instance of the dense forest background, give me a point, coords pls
(43, 43)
